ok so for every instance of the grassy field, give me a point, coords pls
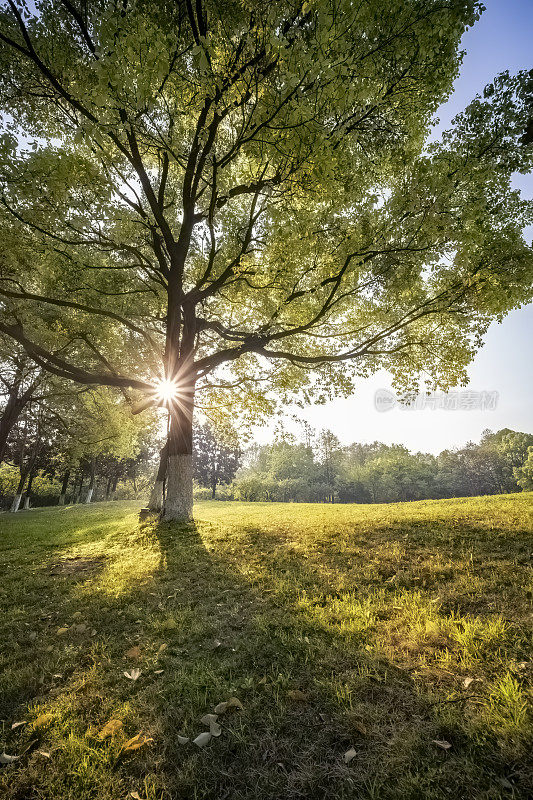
(397, 634)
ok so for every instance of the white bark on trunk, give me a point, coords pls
(89, 496)
(155, 503)
(62, 498)
(26, 503)
(16, 503)
(178, 501)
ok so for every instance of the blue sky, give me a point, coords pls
(502, 39)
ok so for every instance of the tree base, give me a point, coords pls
(178, 500)
(155, 503)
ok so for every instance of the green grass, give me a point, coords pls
(335, 626)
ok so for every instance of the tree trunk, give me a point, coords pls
(155, 503)
(90, 490)
(178, 501)
(78, 486)
(108, 488)
(25, 470)
(27, 498)
(11, 413)
(64, 486)
(20, 488)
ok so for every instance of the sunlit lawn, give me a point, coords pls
(402, 632)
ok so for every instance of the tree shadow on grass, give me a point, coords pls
(288, 631)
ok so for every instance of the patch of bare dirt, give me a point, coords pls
(78, 566)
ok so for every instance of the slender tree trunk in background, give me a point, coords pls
(64, 487)
(108, 488)
(80, 488)
(20, 488)
(14, 407)
(11, 413)
(178, 500)
(214, 488)
(155, 503)
(27, 498)
(90, 490)
(25, 470)
(114, 485)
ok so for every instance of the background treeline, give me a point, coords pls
(321, 470)
(61, 443)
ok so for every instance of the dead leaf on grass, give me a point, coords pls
(207, 719)
(233, 702)
(133, 652)
(349, 755)
(133, 674)
(44, 753)
(61, 631)
(16, 725)
(109, 729)
(7, 759)
(202, 739)
(442, 743)
(135, 795)
(183, 739)
(211, 720)
(136, 742)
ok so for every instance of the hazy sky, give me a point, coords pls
(502, 39)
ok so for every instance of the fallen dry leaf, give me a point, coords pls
(158, 671)
(7, 759)
(162, 648)
(136, 742)
(16, 725)
(215, 729)
(442, 743)
(233, 702)
(133, 652)
(133, 674)
(135, 795)
(61, 631)
(467, 682)
(109, 729)
(42, 719)
(349, 755)
(202, 739)
(44, 753)
(207, 719)
(183, 739)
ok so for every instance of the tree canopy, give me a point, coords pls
(239, 195)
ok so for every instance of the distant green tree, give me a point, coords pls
(215, 461)
(524, 473)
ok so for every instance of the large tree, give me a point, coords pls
(247, 189)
